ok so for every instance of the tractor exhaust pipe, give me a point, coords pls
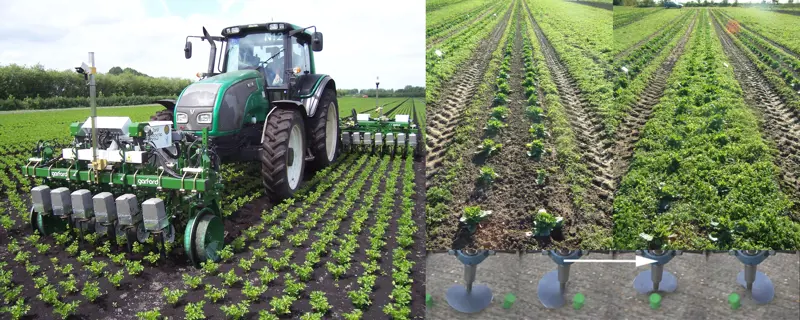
(213, 53)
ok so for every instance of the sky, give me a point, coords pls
(362, 38)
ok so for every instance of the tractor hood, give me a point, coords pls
(216, 103)
(231, 77)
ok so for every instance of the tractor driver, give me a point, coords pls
(274, 67)
(248, 60)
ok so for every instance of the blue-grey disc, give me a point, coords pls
(644, 284)
(475, 301)
(763, 289)
(549, 291)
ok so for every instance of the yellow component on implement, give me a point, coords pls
(100, 164)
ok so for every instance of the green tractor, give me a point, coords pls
(266, 104)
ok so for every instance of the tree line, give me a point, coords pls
(696, 3)
(408, 91)
(34, 87)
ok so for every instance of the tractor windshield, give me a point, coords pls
(256, 50)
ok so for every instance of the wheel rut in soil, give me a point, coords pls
(585, 123)
(458, 30)
(629, 130)
(780, 124)
(448, 111)
(625, 52)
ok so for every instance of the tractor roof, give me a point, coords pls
(260, 27)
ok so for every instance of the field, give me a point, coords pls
(390, 107)
(515, 95)
(347, 246)
(710, 132)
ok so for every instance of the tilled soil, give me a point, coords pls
(450, 230)
(780, 123)
(444, 115)
(515, 195)
(628, 131)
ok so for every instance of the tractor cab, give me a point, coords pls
(281, 52)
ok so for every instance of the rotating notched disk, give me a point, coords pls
(469, 298)
(757, 283)
(656, 279)
(553, 284)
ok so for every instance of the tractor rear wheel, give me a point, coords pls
(163, 115)
(282, 154)
(325, 131)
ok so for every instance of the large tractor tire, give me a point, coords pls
(163, 115)
(282, 154)
(325, 132)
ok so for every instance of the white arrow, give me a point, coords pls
(640, 261)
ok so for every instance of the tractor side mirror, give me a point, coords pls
(187, 50)
(316, 41)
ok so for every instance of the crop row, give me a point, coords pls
(781, 69)
(633, 33)
(635, 70)
(585, 51)
(456, 17)
(781, 28)
(93, 267)
(442, 223)
(443, 60)
(702, 177)
(624, 15)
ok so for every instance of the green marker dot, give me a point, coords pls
(510, 298)
(655, 301)
(735, 301)
(428, 300)
(578, 300)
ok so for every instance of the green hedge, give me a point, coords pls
(62, 103)
(31, 82)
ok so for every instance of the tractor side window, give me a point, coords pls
(300, 57)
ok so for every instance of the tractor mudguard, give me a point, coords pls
(283, 104)
(169, 104)
(311, 88)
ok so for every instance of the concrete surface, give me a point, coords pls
(704, 282)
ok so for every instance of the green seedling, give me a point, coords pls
(734, 300)
(489, 147)
(473, 216)
(655, 301)
(487, 176)
(545, 223)
(578, 300)
(493, 126)
(535, 149)
(500, 113)
(509, 301)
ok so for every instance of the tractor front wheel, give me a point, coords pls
(281, 155)
(325, 131)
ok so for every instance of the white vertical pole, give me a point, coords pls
(93, 105)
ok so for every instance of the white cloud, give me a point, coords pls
(363, 39)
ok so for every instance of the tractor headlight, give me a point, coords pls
(204, 117)
(181, 118)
